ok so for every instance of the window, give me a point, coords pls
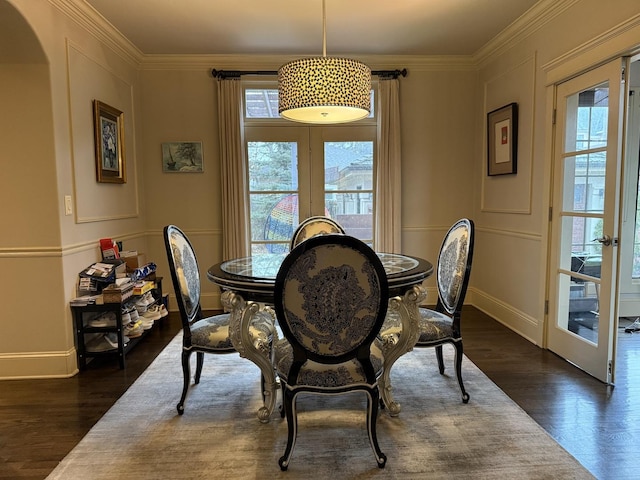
(297, 170)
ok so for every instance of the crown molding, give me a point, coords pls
(273, 62)
(619, 40)
(95, 24)
(527, 24)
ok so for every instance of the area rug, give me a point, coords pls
(219, 436)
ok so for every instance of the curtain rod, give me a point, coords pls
(224, 74)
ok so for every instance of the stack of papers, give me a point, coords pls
(100, 270)
(85, 300)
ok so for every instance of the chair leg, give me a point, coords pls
(199, 363)
(440, 359)
(459, 355)
(373, 400)
(186, 374)
(292, 427)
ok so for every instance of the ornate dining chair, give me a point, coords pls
(312, 226)
(330, 298)
(202, 334)
(442, 325)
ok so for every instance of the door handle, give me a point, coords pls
(605, 240)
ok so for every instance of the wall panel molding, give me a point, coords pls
(505, 232)
(91, 78)
(516, 84)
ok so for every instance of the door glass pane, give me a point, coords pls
(348, 185)
(579, 252)
(579, 287)
(273, 195)
(588, 119)
(584, 185)
(578, 307)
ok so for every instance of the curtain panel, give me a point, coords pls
(233, 171)
(388, 225)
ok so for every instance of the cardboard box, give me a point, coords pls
(135, 261)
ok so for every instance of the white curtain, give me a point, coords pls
(233, 178)
(388, 210)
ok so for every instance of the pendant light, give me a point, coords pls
(324, 89)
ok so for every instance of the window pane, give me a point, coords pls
(263, 103)
(273, 195)
(272, 220)
(348, 168)
(273, 166)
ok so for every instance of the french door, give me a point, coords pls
(585, 220)
(295, 172)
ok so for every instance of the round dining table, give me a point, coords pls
(248, 284)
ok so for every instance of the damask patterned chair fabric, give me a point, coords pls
(331, 298)
(201, 335)
(442, 325)
(313, 226)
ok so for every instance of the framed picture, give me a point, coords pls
(108, 125)
(182, 157)
(502, 140)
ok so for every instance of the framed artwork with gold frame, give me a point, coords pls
(109, 143)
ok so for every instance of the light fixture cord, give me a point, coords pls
(324, 29)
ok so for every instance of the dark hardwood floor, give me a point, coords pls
(42, 420)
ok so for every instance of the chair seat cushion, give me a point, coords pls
(212, 333)
(434, 326)
(325, 375)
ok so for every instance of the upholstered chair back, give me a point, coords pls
(454, 265)
(312, 226)
(184, 274)
(331, 299)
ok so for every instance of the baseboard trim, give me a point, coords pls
(38, 365)
(524, 325)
